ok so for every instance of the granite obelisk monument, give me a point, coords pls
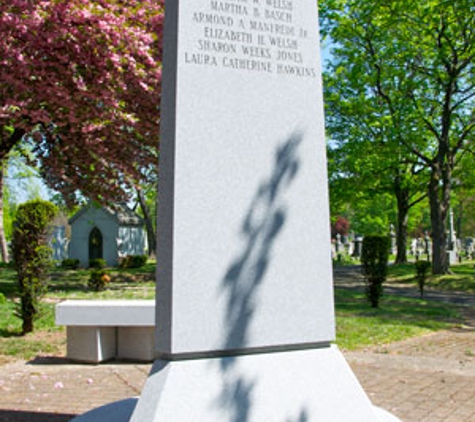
(244, 308)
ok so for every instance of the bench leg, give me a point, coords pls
(136, 343)
(91, 344)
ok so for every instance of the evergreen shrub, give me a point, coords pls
(32, 257)
(133, 261)
(374, 259)
(70, 263)
(98, 280)
(97, 263)
(422, 267)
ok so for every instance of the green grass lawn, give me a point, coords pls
(462, 278)
(397, 318)
(358, 325)
(48, 338)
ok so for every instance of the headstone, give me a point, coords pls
(349, 244)
(452, 234)
(392, 236)
(414, 244)
(333, 251)
(452, 257)
(468, 246)
(452, 241)
(245, 315)
(421, 246)
(357, 246)
(338, 243)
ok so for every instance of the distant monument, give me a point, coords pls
(245, 312)
(452, 243)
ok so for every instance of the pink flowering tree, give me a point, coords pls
(80, 82)
(340, 226)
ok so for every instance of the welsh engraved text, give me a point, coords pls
(251, 35)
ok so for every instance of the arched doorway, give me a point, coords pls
(95, 244)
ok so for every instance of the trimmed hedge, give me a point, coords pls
(97, 263)
(422, 267)
(32, 256)
(374, 259)
(70, 263)
(133, 261)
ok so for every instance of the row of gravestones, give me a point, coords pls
(461, 248)
(420, 248)
(346, 246)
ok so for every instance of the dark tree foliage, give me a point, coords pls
(374, 261)
(32, 256)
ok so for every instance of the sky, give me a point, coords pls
(23, 184)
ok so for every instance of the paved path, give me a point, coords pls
(427, 379)
(51, 390)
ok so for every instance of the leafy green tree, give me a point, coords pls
(373, 215)
(411, 65)
(464, 213)
(463, 197)
(21, 182)
(364, 171)
(366, 158)
(32, 256)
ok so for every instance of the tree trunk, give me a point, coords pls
(439, 201)
(3, 240)
(27, 324)
(28, 310)
(151, 236)
(402, 198)
(401, 236)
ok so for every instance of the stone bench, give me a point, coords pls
(99, 330)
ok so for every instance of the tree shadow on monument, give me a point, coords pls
(302, 417)
(260, 229)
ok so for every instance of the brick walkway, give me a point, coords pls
(426, 379)
(54, 391)
(415, 383)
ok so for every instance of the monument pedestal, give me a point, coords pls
(291, 386)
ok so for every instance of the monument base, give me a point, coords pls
(298, 386)
(294, 386)
(121, 411)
